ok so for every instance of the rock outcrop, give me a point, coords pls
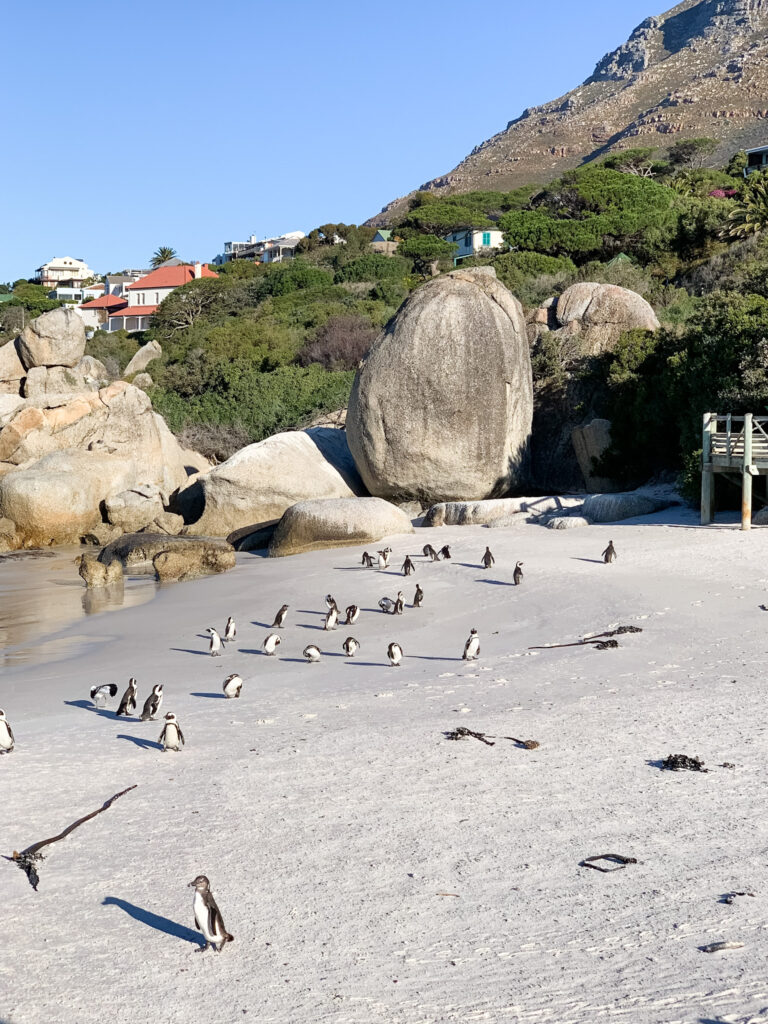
(486, 513)
(53, 339)
(260, 482)
(589, 318)
(441, 407)
(590, 442)
(143, 358)
(612, 508)
(99, 574)
(312, 525)
(135, 509)
(140, 549)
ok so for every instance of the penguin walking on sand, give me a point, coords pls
(230, 631)
(445, 552)
(488, 559)
(386, 604)
(384, 558)
(472, 647)
(418, 597)
(429, 552)
(215, 645)
(6, 735)
(609, 555)
(399, 604)
(280, 618)
(351, 646)
(408, 566)
(171, 738)
(208, 919)
(517, 575)
(232, 686)
(128, 700)
(152, 703)
(312, 653)
(367, 560)
(332, 618)
(271, 643)
(353, 614)
(99, 694)
(395, 654)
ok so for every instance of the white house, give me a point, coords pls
(63, 270)
(144, 296)
(75, 296)
(117, 283)
(266, 250)
(475, 242)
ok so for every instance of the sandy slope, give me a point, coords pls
(332, 815)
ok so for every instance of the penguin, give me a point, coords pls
(230, 631)
(351, 646)
(214, 647)
(517, 575)
(128, 700)
(330, 601)
(399, 603)
(445, 552)
(367, 560)
(408, 566)
(99, 694)
(353, 614)
(311, 653)
(609, 555)
(472, 647)
(232, 686)
(386, 604)
(208, 919)
(152, 703)
(488, 559)
(271, 643)
(6, 735)
(332, 618)
(171, 738)
(280, 618)
(395, 654)
(429, 552)
(384, 559)
(418, 597)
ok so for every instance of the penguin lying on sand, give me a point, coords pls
(208, 919)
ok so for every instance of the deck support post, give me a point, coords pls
(707, 472)
(746, 475)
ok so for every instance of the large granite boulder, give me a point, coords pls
(55, 380)
(143, 358)
(134, 509)
(590, 442)
(312, 525)
(486, 513)
(612, 508)
(12, 370)
(173, 558)
(53, 339)
(261, 481)
(598, 314)
(441, 408)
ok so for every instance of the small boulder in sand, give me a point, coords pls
(567, 522)
(493, 510)
(335, 523)
(199, 556)
(190, 563)
(611, 508)
(99, 574)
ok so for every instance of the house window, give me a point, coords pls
(468, 240)
(486, 238)
(157, 298)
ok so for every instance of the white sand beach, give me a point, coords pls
(369, 868)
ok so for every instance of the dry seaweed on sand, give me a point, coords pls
(461, 733)
(600, 641)
(681, 762)
(614, 858)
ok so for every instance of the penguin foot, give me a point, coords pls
(202, 949)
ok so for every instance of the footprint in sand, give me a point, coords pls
(446, 675)
(264, 721)
(389, 694)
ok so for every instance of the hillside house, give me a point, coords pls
(384, 243)
(142, 298)
(757, 160)
(266, 250)
(64, 271)
(95, 312)
(474, 242)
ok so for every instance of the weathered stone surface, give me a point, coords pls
(139, 549)
(94, 372)
(99, 574)
(484, 513)
(590, 442)
(262, 480)
(134, 509)
(253, 538)
(11, 367)
(441, 408)
(180, 564)
(53, 339)
(611, 508)
(592, 317)
(54, 380)
(166, 522)
(9, 406)
(101, 534)
(143, 358)
(567, 522)
(143, 381)
(333, 523)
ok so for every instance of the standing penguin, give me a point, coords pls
(214, 647)
(353, 614)
(395, 654)
(488, 559)
(445, 552)
(208, 919)
(271, 643)
(408, 566)
(100, 693)
(332, 618)
(517, 575)
(384, 558)
(429, 552)
(6, 735)
(171, 738)
(128, 700)
(230, 632)
(472, 647)
(399, 604)
(311, 653)
(280, 618)
(418, 597)
(330, 601)
(367, 560)
(350, 646)
(232, 686)
(152, 703)
(609, 555)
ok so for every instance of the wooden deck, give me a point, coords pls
(733, 444)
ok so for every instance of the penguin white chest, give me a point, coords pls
(201, 918)
(5, 737)
(172, 737)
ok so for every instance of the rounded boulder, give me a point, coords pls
(335, 523)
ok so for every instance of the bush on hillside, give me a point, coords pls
(339, 344)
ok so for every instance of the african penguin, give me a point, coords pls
(353, 614)
(332, 618)
(445, 551)
(418, 597)
(386, 604)
(232, 686)
(128, 700)
(330, 601)
(429, 552)
(99, 694)
(488, 559)
(311, 653)
(472, 647)
(230, 631)
(271, 643)
(171, 738)
(399, 602)
(152, 703)
(6, 735)
(280, 618)
(367, 560)
(517, 575)
(214, 647)
(384, 558)
(609, 555)
(208, 919)
(395, 654)
(408, 566)
(351, 646)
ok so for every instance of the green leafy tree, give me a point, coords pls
(165, 252)
(750, 215)
(426, 251)
(692, 152)
(737, 164)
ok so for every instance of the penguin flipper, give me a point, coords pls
(10, 733)
(181, 735)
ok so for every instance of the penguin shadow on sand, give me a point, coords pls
(494, 583)
(597, 561)
(213, 696)
(262, 625)
(140, 741)
(188, 650)
(87, 705)
(160, 924)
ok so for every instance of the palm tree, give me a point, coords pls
(750, 216)
(165, 252)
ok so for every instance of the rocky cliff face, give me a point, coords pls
(700, 69)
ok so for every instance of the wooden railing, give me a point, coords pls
(732, 442)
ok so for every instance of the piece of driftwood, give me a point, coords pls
(681, 762)
(600, 644)
(27, 859)
(715, 947)
(460, 733)
(614, 858)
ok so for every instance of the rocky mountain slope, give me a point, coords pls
(701, 69)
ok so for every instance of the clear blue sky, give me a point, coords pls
(133, 125)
